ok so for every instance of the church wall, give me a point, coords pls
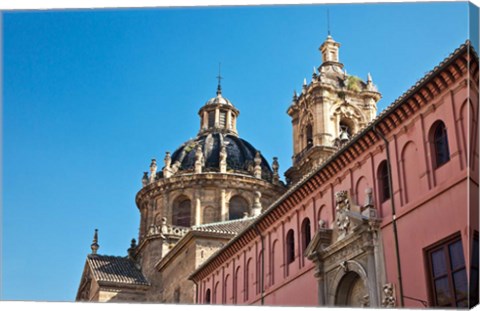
(431, 203)
(174, 277)
(106, 294)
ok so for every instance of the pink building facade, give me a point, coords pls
(390, 219)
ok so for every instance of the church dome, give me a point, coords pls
(240, 155)
(218, 100)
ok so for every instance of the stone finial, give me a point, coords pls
(145, 179)
(95, 245)
(257, 172)
(368, 198)
(167, 170)
(295, 96)
(389, 300)
(164, 226)
(257, 205)
(314, 75)
(131, 250)
(304, 86)
(322, 224)
(153, 170)
(275, 167)
(167, 160)
(370, 85)
(175, 167)
(223, 159)
(198, 159)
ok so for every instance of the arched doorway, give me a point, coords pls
(351, 291)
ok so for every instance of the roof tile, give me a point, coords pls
(116, 269)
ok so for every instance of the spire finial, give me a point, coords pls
(95, 245)
(328, 22)
(219, 77)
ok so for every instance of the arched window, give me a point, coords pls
(306, 235)
(440, 144)
(383, 182)
(248, 277)
(260, 279)
(215, 293)
(181, 212)
(346, 127)
(238, 285)
(208, 298)
(290, 247)
(226, 290)
(309, 135)
(237, 208)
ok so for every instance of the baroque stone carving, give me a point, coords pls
(257, 172)
(223, 159)
(153, 170)
(341, 217)
(389, 300)
(198, 159)
(165, 230)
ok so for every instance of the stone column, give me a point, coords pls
(205, 120)
(223, 205)
(371, 271)
(198, 207)
(321, 283)
(167, 208)
(229, 120)
(217, 118)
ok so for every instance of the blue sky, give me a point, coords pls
(91, 96)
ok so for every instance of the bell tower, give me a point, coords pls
(330, 109)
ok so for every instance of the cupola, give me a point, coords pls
(218, 115)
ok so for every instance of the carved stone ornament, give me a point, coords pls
(389, 300)
(366, 301)
(223, 159)
(199, 161)
(342, 207)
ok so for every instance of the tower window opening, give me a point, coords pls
(309, 135)
(223, 119)
(345, 129)
(211, 119)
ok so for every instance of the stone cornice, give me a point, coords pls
(201, 180)
(450, 71)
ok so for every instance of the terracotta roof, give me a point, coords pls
(115, 269)
(229, 227)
